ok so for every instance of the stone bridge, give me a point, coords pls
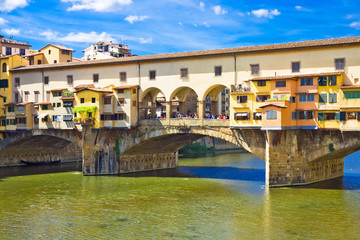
(292, 157)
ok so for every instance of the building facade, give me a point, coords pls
(302, 85)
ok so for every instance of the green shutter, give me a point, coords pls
(337, 116)
(321, 116)
(323, 98)
(293, 115)
(342, 116)
(358, 116)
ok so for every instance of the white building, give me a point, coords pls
(106, 50)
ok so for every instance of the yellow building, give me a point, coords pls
(6, 82)
(54, 53)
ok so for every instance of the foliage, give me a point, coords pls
(117, 147)
(331, 147)
(68, 94)
(85, 109)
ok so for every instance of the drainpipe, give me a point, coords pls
(138, 103)
(43, 86)
(235, 69)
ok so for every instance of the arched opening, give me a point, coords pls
(216, 102)
(4, 67)
(184, 103)
(152, 104)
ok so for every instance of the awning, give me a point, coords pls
(41, 116)
(243, 114)
(258, 114)
(68, 117)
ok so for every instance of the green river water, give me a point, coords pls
(219, 197)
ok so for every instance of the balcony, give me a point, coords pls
(84, 121)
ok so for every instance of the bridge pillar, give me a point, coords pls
(201, 109)
(214, 107)
(294, 158)
(168, 111)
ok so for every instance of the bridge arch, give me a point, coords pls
(39, 145)
(216, 100)
(184, 100)
(152, 103)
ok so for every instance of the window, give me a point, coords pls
(4, 99)
(261, 83)
(58, 104)
(4, 83)
(93, 100)
(134, 91)
(351, 115)
(306, 81)
(46, 80)
(306, 98)
(56, 118)
(21, 120)
(152, 74)
(218, 71)
(49, 52)
(241, 99)
(8, 51)
(26, 93)
(339, 63)
(4, 67)
(120, 91)
(82, 100)
(121, 102)
(57, 94)
(11, 109)
(322, 81)
(280, 84)
(68, 104)
(184, 73)
(106, 117)
(39, 62)
(271, 115)
(242, 116)
(36, 94)
(322, 98)
(332, 80)
(295, 66)
(69, 79)
(107, 100)
(254, 69)
(95, 77)
(22, 52)
(262, 98)
(68, 117)
(55, 61)
(122, 76)
(292, 99)
(54, 105)
(349, 95)
(65, 52)
(17, 82)
(16, 97)
(134, 103)
(305, 115)
(45, 107)
(257, 115)
(329, 116)
(332, 98)
(119, 116)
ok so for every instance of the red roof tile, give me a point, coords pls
(126, 86)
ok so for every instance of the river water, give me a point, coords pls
(218, 197)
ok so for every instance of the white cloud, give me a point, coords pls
(265, 13)
(302, 9)
(206, 24)
(9, 5)
(202, 6)
(147, 40)
(355, 25)
(180, 23)
(3, 21)
(80, 37)
(349, 16)
(299, 7)
(219, 10)
(11, 31)
(131, 19)
(97, 5)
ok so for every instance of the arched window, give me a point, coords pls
(4, 67)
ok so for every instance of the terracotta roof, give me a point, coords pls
(61, 47)
(296, 76)
(33, 54)
(58, 89)
(308, 92)
(307, 109)
(349, 86)
(23, 103)
(44, 103)
(95, 90)
(68, 98)
(84, 86)
(10, 104)
(347, 41)
(273, 105)
(126, 86)
(351, 106)
(7, 56)
(108, 94)
(17, 104)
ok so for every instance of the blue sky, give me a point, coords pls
(163, 26)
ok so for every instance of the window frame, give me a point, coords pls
(271, 115)
(184, 73)
(218, 71)
(340, 66)
(95, 77)
(70, 79)
(293, 69)
(277, 83)
(255, 69)
(122, 76)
